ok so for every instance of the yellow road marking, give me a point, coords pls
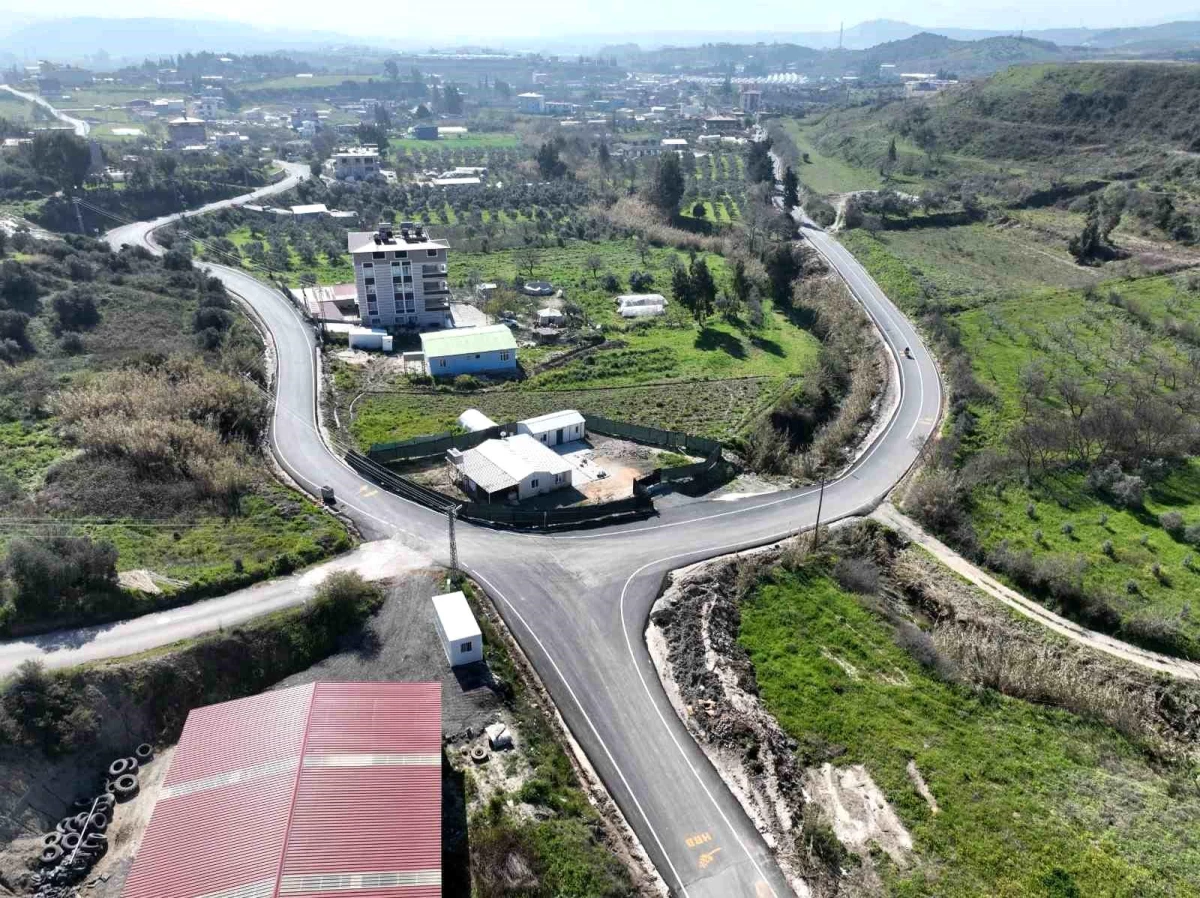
(697, 840)
(707, 857)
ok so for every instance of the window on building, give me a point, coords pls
(402, 254)
(476, 355)
(378, 255)
(466, 647)
(431, 252)
(368, 265)
(504, 356)
(533, 484)
(370, 282)
(441, 363)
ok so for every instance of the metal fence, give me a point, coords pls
(709, 472)
(434, 444)
(654, 436)
(634, 508)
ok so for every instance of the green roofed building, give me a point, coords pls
(470, 350)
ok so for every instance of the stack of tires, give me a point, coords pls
(79, 839)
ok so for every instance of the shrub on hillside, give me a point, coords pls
(76, 311)
(61, 575)
(1172, 522)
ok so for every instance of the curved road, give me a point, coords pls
(82, 128)
(578, 603)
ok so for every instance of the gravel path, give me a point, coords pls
(891, 516)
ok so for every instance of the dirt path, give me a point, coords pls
(888, 514)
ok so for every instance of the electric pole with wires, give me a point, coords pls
(451, 514)
(817, 529)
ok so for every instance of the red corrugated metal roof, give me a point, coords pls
(328, 789)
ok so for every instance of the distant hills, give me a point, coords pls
(78, 39)
(82, 39)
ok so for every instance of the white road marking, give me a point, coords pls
(591, 726)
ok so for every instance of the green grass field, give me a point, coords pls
(14, 108)
(669, 349)
(1014, 312)
(966, 265)
(713, 409)
(1033, 801)
(469, 142)
(828, 174)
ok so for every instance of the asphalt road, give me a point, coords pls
(82, 128)
(578, 602)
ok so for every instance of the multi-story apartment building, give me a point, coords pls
(355, 163)
(400, 277)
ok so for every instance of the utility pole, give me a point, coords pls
(78, 214)
(817, 529)
(451, 514)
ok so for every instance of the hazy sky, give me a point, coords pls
(479, 19)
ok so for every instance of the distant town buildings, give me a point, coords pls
(209, 107)
(751, 101)
(186, 132)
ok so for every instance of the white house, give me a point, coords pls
(555, 428)
(533, 103)
(456, 625)
(516, 467)
(470, 350)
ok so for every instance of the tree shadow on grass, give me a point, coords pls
(709, 340)
(766, 345)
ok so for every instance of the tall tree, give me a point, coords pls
(549, 161)
(741, 282)
(62, 157)
(681, 286)
(782, 268)
(391, 70)
(791, 189)
(452, 100)
(704, 291)
(668, 187)
(759, 164)
(603, 156)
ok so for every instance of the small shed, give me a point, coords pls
(473, 421)
(462, 640)
(549, 317)
(555, 428)
(370, 338)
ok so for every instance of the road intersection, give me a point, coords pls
(578, 602)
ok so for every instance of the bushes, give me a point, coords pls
(171, 417)
(76, 311)
(61, 575)
(42, 711)
(343, 598)
(1160, 634)
(1172, 522)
